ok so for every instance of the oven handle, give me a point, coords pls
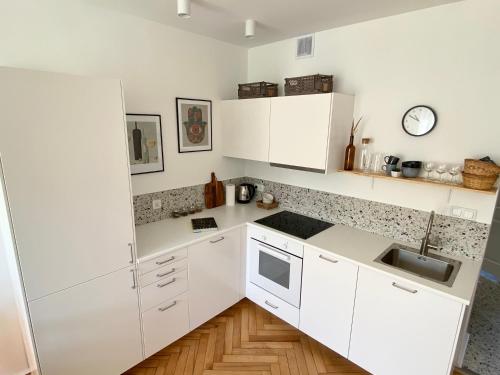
(274, 252)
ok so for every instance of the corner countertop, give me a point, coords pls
(351, 244)
(157, 238)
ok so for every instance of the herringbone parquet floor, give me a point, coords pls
(246, 340)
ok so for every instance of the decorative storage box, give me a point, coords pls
(257, 90)
(314, 84)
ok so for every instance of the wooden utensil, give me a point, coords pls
(214, 193)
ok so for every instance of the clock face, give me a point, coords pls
(419, 120)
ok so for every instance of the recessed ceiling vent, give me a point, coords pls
(305, 46)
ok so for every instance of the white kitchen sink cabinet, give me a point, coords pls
(214, 276)
(399, 328)
(91, 328)
(245, 125)
(310, 132)
(328, 291)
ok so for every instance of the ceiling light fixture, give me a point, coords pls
(184, 8)
(249, 28)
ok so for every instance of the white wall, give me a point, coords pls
(16, 350)
(446, 57)
(155, 62)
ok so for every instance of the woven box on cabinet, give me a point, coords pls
(257, 90)
(314, 84)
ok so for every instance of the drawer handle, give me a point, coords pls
(328, 259)
(167, 283)
(270, 304)
(219, 240)
(162, 309)
(412, 291)
(166, 273)
(165, 261)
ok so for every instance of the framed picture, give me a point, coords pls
(145, 145)
(194, 125)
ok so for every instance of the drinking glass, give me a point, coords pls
(441, 169)
(454, 172)
(428, 167)
(377, 162)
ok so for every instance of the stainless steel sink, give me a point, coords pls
(432, 267)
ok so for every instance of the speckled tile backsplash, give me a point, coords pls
(452, 235)
(171, 200)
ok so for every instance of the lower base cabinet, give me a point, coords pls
(328, 291)
(214, 276)
(91, 328)
(165, 323)
(402, 329)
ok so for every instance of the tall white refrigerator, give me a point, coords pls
(63, 152)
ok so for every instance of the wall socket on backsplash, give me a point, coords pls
(463, 213)
(156, 204)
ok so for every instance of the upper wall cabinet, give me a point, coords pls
(245, 126)
(310, 132)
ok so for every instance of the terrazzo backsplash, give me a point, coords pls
(452, 235)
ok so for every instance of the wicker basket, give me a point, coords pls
(477, 182)
(315, 84)
(257, 90)
(481, 168)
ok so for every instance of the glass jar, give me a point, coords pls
(365, 157)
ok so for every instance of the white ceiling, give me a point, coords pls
(276, 19)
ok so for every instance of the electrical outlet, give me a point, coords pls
(156, 204)
(260, 187)
(456, 211)
(469, 213)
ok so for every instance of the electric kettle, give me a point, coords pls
(245, 193)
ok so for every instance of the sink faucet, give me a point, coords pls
(425, 246)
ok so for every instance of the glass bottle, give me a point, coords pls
(350, 152)
(364, 160)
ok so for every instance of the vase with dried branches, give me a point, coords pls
(350, 151)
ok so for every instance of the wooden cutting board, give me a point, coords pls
(214, 193)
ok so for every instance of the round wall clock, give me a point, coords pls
(419, 120)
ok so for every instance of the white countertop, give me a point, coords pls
(157, 238)
(355, 245)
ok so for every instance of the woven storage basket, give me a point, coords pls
(480, 168)
(315, 84)
(472, 181)
(257, 90)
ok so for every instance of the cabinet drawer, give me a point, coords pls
(273, 304)
(163, 289)
(166, 271)
(165, 323)
(163, 260)
(273, 239)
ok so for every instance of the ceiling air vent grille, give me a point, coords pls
(305, 46)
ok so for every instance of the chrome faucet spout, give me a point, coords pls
(424, 247)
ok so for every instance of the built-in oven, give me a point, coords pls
(275, 270)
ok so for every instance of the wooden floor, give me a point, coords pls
(246, 340)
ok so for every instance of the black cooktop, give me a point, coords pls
(297, 225)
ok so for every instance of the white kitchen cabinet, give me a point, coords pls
(399, 328)
(310, 132)
(63, 147)
(328, 291)
(245, 125)
(214, 276)
(91, 328)
(165, 323)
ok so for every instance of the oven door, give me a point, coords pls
(276, 271)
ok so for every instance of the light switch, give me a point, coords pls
(156, 204)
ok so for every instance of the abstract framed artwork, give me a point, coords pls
(145, 143)
(194, 125)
